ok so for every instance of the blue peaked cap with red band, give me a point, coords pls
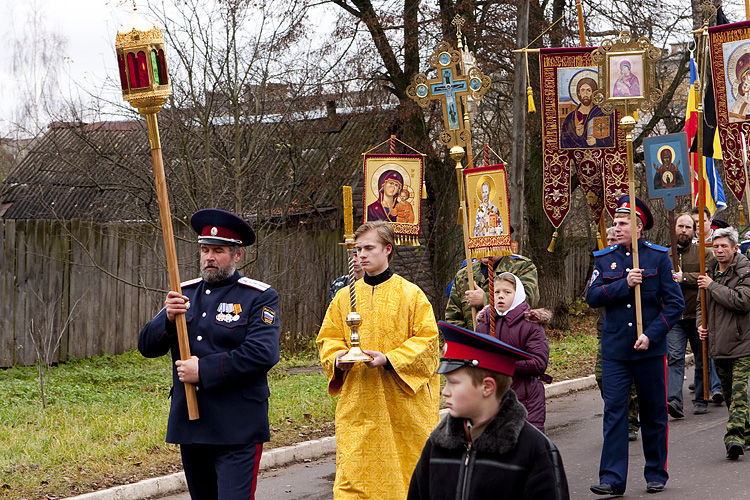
(217, 227)
(466, 348)
(641, 209)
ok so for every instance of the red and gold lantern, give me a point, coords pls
(145, 85)
(142, 64)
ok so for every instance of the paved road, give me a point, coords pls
(697, 464)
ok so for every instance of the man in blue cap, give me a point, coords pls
(233, 330)
(485, 448)
(627, 356)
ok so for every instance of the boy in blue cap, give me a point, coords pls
(485, 448)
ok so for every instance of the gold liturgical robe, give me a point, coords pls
(383, 417)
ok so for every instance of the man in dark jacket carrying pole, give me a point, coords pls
(685, 330)
(233, 329)
(628, 356)
(728, 331)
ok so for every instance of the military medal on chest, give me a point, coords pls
(228, 312)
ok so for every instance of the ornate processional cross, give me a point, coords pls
(451, 87)
(447, 90)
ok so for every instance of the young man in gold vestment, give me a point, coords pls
(387, 407)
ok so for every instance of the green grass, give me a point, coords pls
(106, 419)
(106, 416)
(572, 353)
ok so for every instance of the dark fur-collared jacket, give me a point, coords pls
(510, 460)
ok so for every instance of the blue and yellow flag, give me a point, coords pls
(713, 187)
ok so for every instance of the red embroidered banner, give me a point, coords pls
(577, 134)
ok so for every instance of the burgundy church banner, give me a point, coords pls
(488, 211)
(730, 65)
(393, 192)
(578, 135)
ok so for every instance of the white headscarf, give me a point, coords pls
(518, 299)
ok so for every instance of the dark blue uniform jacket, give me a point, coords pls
(662, 303)
(233, 327)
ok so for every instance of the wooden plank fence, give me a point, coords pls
(110, 279)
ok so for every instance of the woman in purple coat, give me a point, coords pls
(516, 324)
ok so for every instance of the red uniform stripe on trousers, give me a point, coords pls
(256, 468)
(665, 409)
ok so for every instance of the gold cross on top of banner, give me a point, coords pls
(708, 10)
(458, 22)
(451, 87)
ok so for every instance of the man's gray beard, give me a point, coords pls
(220, 274)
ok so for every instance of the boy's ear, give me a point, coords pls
(489, 386)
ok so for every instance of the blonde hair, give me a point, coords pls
(384, 231)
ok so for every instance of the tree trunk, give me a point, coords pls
(550, 265)
(518, 148)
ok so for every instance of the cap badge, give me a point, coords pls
(214, 231)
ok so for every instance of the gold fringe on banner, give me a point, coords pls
(598, 240)
(406, 240)
(742, 215)
(551, 247)
(480, 253)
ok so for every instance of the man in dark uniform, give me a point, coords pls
(233, 329)
(628, 357)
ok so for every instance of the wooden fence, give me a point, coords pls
(110, 279)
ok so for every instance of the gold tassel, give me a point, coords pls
(424, 190)
(530, 95)
(742, 215)
(529, 91)
(635, 115)
(599, 240)
(551, 247)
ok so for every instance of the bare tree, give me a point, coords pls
(46, 332)
(38, 54)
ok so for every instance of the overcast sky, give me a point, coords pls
(88, 27)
